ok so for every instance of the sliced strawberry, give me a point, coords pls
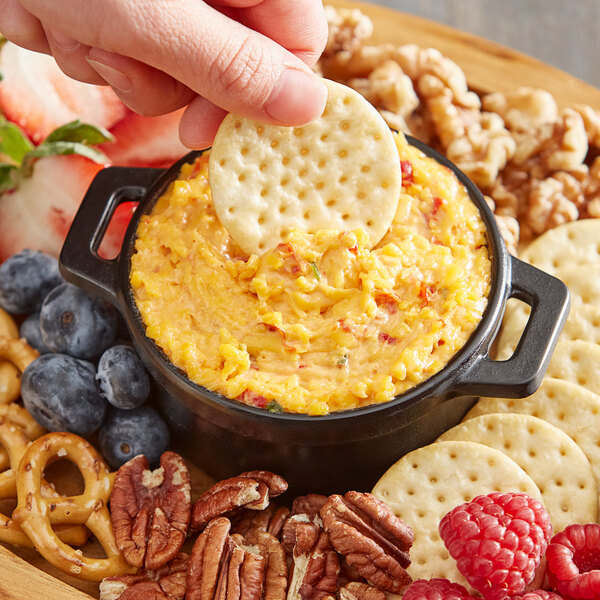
(39, 212)
(146, 141)
(113, 238)
(38, 96)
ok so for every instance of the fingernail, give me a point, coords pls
(64, 42)
(297, 98)
(115, 78)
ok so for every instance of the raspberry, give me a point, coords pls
(537, 595)
(573, 561)
(497, 541)
(436, 589)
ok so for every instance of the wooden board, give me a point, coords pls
(488, 67)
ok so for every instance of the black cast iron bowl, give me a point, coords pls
(339, 451)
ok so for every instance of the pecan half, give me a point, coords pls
(316, 569)
(360, 591)
(373, 540)
(166, 583)
(251, 490)
(276, 572)
(221, 569)
(252, 522)
(150, 510)
(310, 505)
(299, 534)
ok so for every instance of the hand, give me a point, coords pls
(250, 57)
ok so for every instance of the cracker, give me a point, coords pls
(577, 362)
(548, 455)
(341, 171)
(563, 404)
(574, 243)
(583, 323)
(427, 483)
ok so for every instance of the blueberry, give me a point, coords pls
(25, 279)
(127, 433)
(62, 394)
(75, 323)
(30, 330)
(123, 378)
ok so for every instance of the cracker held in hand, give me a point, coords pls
(549, 456)
(429, 482)
(341, 171)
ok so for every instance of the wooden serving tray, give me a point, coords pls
(489, 67)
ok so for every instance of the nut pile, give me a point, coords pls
(350, 546)
(537, 165)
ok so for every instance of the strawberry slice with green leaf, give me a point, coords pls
(36, 95)
(42, 186)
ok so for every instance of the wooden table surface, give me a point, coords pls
(563, 34)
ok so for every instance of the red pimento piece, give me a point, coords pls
(387, 338)
(436, 589)
(253, 399)
(573, 561)
(498, 541)
(425, 292)
(291, 264)
(437, 204)
(407, 172)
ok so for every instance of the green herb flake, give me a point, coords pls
(315, 270)
(342, 360)
(274, 407)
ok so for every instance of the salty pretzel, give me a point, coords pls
(10, 378)
(36, 514)
(18, 415)
(14, 440)
(8, 327)
(19, 354)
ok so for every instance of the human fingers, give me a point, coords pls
(299, 26)
(70, 56)
(142, 88)
(221, 60)
(199, 123)
(21, 27)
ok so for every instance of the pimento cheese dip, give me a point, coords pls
(319, 323)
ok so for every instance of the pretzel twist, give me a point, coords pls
(14, 440)
(8, 327)
(10, 378)
(36, 514)
(17, 415)
(16, 355)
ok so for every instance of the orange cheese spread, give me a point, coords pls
(319, 323)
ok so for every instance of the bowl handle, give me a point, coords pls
(80, 262)
(521, 374)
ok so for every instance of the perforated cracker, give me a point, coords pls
(427, 483)
(577, 362)
(568, 406)
(583, 322)
(548, 455)
(341, 171)
(574, 243)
